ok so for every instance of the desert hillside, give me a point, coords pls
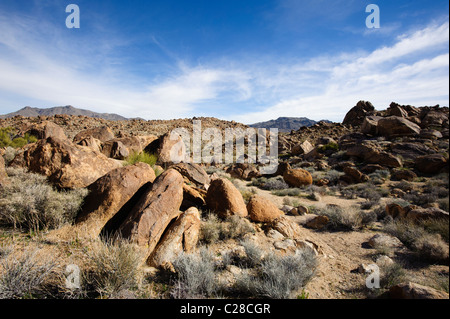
(96, 208)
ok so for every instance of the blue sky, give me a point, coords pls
(247, 60)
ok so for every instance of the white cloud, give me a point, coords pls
(414, 70)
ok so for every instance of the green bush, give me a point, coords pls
(7, 138)
(144, 157)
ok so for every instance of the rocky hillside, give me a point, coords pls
(58, 110)
(287, 124)
(347, 198)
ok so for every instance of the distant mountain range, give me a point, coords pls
(286, 124)
(69, 110)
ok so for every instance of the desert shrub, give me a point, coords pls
(253, 252)
(196, 275)
(443, 203)
(31, 203)
(406, 231)
(211, 229)
(392, 275)
(275, 183)
(288, 192)
(437, 226)
(24, 276)
(333, 176)
(236, 227)
(247, 193)
(114, 266)
(431, 247)
(9, 155)
(144, 157)
(7, 138)
(214, 229)
(344, 218)
(329, 147)
(278, 276)
(420, 199)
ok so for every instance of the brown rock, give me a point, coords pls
(101, 133)
(355, 175)
(395, 211)
(419, 214)
(318, 222)
(357, 114)
(47, 129)
(403, 174)
(171, 149)
(110, 193)
(181, 235)
(302, 148)
(287, 227)
(224, 199)
(297, 177)
(370, 125)
(383, 240)
(243, 171)
(193, 196)
(66, 165)
(262, 210)
(431, 164)
(394, 126)
(415, 291)
(193, 173)
(92, 143)
(149, 218)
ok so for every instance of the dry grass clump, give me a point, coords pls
(29, 202)
(113, 267)
(214, 229)
(196, 275)
(346, 219)
(278, 276)
(25, 275)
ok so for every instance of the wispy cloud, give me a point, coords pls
(40, 63)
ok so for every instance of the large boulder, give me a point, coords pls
(110, 193)
(225, 199)
(420, 214)
(66, 165)
(169, 148)
(297, 177)
(370, 125)
(102, 133)
(47, 129)
(262, 210)
(243, 171)
(181, 235)
(431, 164)
(158, 206)
(415, 291)
(286, 226)
(92, 143)
(394, 126)
(353, 175)
(193, 196)
(357, 114)
(193, 173)
(371, 153)
(121, 147)
(302, 148)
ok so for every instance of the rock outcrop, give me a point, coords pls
(110, 193)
